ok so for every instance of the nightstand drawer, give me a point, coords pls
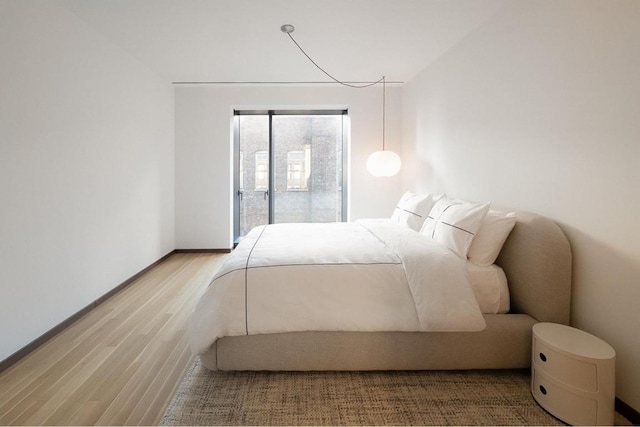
(564, 369)
(569, 407)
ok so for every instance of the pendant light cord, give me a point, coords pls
(324, 71)
(288, 29)
(384, 96)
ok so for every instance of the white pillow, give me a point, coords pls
(493, 232)
(454, 223)
(412, 209)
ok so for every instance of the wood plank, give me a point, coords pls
(120, 363)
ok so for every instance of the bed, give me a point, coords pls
(535, 260)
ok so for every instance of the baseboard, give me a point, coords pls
(202, 251)
(24, 351)
(628, 412)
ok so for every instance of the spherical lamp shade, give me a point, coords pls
(383, 163)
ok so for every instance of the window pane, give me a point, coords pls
(308, 169)
(298, 169)
(262, 170)
(254, 172)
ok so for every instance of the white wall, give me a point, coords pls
(203, 152)
(86, 168)
(539, 109)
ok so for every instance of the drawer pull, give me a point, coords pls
(543, 357)
(543, 390)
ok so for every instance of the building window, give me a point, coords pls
(298, 169)
(262, 170)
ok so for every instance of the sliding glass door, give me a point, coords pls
(289, 167)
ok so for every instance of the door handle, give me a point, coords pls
(266, 194)
(240, 193)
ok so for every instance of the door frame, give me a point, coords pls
(237, 112)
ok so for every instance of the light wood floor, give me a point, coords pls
(119, 364)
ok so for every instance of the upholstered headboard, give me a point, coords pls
(537, 261)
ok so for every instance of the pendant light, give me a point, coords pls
(382, 163)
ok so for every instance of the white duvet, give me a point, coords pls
(364, 276)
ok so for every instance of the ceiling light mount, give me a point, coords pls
(287, 28)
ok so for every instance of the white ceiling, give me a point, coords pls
(240, 40)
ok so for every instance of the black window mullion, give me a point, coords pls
(272, 165)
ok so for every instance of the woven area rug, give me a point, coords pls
(355, 398)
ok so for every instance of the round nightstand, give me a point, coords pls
(573, 374)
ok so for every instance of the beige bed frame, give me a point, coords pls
(537, 261)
